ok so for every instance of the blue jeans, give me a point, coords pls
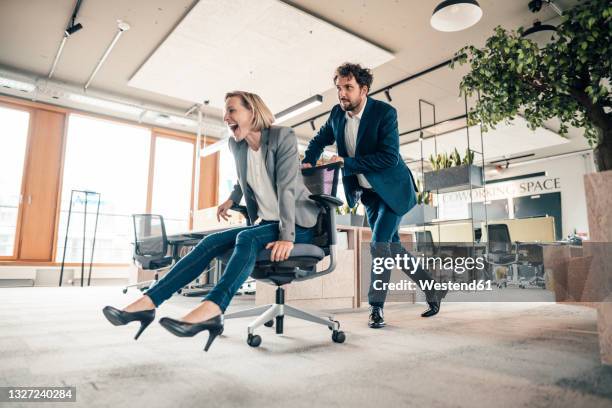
(246, 241)
(386, 243)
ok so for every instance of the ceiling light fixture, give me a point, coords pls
(540, 33)
(70, 29)
(455, 15)
(537, 28)
(106, 104)
(299, 108)
(215, 147)
(122, 27)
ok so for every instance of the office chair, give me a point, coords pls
(500, 251)
(301, 265)
(150, 247)
(424, 243)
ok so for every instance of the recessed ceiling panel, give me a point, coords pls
(266, 46)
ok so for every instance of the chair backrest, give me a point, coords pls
(150, 238)
(424, 241)
(322, 180)
(498, 237)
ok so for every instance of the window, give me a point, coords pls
(172, 182)
(112, 159)
(227, 173)
(13, 142)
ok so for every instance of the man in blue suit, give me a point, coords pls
(366, 134)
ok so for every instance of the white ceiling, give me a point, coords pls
(264, 49)
(31, 31)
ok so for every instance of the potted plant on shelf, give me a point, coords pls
(453, 173)
(424, 211)
(348, 216)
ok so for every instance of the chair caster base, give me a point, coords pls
(338, 336)
(254, 340)
(269, 323)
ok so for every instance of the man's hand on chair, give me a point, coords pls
(336, 159)
(280, 250)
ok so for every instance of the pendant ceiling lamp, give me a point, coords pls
(455, 15)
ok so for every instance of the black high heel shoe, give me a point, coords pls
(182, 329)
(119, 318)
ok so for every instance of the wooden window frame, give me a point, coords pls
(31, 107)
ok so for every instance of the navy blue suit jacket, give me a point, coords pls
(377, 155)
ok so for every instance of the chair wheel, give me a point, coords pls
(269, 323)
(254, 340)
(338, 336)
(125, 290)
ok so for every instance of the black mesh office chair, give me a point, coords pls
(500, 250)
(425, 243)
(150, 246)
(322, 181)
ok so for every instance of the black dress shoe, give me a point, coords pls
(377, 319)
(434, 308)
(183, 329)
(119, 318)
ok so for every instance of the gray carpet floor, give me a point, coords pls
(470, 355)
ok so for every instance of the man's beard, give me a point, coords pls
(350, 107)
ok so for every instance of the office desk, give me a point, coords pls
(192, 238)
(182, 243)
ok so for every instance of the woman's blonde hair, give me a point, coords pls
(262, 116)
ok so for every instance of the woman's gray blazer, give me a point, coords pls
(279, 150)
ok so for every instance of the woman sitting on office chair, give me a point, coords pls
(270, 179)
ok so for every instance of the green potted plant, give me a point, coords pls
(453, 173)
(348, 216)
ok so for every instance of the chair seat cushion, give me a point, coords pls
(299, 251)
(153, 263)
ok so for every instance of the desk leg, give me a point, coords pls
(604, 328)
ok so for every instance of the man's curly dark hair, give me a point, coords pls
(363, 76)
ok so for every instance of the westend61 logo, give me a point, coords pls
(412, 264)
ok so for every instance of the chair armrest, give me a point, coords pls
(241, 209)
(326, 200)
